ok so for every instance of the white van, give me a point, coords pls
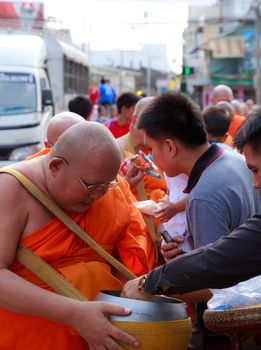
(38, 75)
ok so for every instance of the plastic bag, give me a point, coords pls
(141, 161)
(148, 207)
(243, 294)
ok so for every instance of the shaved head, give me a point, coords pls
(89, 145)
(137, 136)
(228, 107)
(222, 93)
(59, 123)
(237, 106)
(141, 105)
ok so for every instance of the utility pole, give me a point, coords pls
(121, 71)
(221, 16)
(148, 77)
(257, 42)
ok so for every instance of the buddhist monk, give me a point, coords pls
(79, 175)
(142, 185)
(224, 93)
(155, 188)
(56, 126)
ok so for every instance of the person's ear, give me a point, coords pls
(55, 164)
(170, 147)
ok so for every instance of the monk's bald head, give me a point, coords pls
(222, 93)
(141, 105)
(90, 145)
(59, 123)
(228, 107)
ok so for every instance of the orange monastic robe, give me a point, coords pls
(229, 140)
(235, 124)
(43, 152)
(155, 188)
(118, 227)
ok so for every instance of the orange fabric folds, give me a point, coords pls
(118, 227)
(155, 188)
(43, 152)
(235, 124)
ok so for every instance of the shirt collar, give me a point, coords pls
(211, 154)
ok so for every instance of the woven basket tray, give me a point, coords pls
(233, 319)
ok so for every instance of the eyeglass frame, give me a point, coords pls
(95, 187)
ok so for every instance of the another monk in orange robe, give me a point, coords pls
(143, 186)
(56, 126)
(155, 188)
(43, 152)
(229, 140)
(235, 124)
(105, 215)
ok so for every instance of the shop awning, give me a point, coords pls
(229, 47)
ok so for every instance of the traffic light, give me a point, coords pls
(183, 87)
(187, 70)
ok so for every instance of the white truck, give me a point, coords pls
(38, 76)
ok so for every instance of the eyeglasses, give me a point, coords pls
(90, 189)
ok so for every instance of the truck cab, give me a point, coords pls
(39, 74)
(25, 97)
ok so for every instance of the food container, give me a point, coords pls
(159, 324)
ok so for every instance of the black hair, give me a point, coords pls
(217, 121)
(127, 99)
(174, 115)
(250, 133)
(80, 105)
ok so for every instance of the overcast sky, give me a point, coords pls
(125, 24)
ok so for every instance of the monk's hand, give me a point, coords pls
(89, 319)
(134, 175)
(132, 290)
(170, 250)
(166, 212)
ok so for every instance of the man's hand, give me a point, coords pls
(90, 320)
(171, 250)
(131, 290)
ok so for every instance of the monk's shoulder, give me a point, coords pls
(12, 192)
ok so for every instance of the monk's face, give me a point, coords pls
(76, 187)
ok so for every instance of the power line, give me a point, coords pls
(213, 20)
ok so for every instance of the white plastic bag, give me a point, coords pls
(148, 207)
(243, 294)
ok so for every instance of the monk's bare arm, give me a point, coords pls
(18, 295)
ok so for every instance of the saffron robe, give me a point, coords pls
(155, 188)
(43, 152)
(118, 227)
(235, 124)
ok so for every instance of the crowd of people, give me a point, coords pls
(205, 179)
